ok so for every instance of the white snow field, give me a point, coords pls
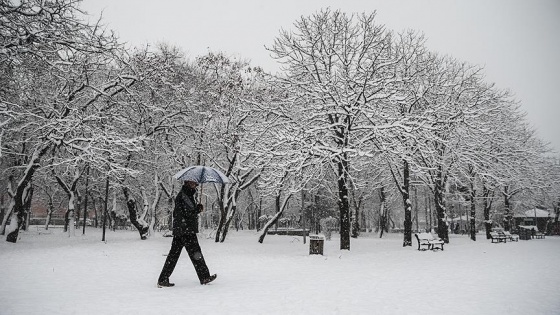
(47, 272)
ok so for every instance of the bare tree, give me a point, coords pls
(57, 60)
(71, 190)
(338, 69)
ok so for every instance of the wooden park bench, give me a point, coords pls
(428, 241)
(498, 237)
(511, 237)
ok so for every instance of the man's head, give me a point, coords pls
(190, 184)
(189, 187)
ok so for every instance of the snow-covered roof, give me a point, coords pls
(539, 213)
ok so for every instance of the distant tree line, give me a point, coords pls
(359, 118)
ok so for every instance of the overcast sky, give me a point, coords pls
(517, 41)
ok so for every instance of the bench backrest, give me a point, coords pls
(424, 236)
(498, 235)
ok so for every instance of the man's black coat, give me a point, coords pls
(185, 214)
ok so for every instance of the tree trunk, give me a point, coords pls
(19, 205)
(440, 206)
(343, 204)
(19, 208)
(9, 210)
(77, 209)
(382, 212)
(356, 214)
(428, 214)
(50, 210)
(355, 222)
(95, 214)
(274, 219)
(12, 231)
(507, 210)
(556, 225)
(139, 224)
(2, 207)
(169, 208)
(18, 214)
(416, 207)
(113, 212)
(86, 202)
(72, 193)
(230, 216)
(27, 205)
(65, 228)
(233, 195)
(70, 214)
(407, 241)
(277, 207)
(105, 202)
(259, 213)
(151, 209)
(487, 194)
(473, 212)
(155, 203)
(223, 213)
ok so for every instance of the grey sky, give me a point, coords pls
(516, 40)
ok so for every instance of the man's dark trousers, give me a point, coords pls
(190, 242)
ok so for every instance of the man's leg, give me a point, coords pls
(197, 259)
(171, 261)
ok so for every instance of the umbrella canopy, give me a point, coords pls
(202, 174)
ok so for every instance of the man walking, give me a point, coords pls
(185, 227)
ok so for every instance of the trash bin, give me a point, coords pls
(524, 234)
(316, 245)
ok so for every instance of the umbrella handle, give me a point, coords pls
(200, 193)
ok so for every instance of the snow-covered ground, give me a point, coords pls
(48, 273)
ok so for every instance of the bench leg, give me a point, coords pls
(437, 246)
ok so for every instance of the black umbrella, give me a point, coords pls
(202, 174)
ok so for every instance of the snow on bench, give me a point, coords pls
(498, 237)
(428, 241)
(511, 237)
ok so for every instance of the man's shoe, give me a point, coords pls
(209, 279)
(165, 284)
